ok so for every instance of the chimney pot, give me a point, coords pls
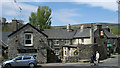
(38, 26)
(98, 26)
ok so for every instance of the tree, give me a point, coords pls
(3, 23)
(3, 20)
(42, 17)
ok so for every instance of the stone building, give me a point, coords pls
(49, 44)
(15, 24)
(4, 45)
(88, 41)
(28, 41)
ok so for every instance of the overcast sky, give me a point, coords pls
(63, 11)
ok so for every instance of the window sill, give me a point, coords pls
(56, 44)
(28, 45)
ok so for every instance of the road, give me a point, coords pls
(112, 62)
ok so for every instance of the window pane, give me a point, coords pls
(28, 36)
(28, 42)
(26, 58)
(67, 42)
(18, 58)
(28, 39)
(56, 42)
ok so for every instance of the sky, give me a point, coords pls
(63, 11)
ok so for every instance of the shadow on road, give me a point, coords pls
(79, 67)
(72, 67)
(39, 66)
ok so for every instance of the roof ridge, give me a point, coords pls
(25, 26)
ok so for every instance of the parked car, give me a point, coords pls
(20, 61)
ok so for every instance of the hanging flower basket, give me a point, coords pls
(75, 52)
(60, 50)
(40, 39)
(16, 39)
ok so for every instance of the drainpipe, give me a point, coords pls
(91, 35)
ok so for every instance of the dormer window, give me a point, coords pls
(67, 42)
(56, 42)
(28, 39)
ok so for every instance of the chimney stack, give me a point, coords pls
(38, 26)
(82, 27)
(92, 34)
(68, 27)
(99, 26)
(15, 24)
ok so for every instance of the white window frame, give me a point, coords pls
(82, 41)
(57, 52)
(65, 51)
(56, 41)
(31, 40)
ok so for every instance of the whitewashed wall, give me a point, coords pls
(79, 41)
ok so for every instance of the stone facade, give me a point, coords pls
(58, 47)
(47, 46)
(101, 41)
(16, 43)
(85, 51)
(0, 52)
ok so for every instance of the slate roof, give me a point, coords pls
(5, 37)
(83, 33)
(59, 33)
(25, 26)
(65, 34)
(109, 34)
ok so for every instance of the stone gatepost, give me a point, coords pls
(42, 56)
(65, 53)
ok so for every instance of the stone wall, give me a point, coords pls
(102, 44)
(16, 41)
(85, 51)
(71, 59)
(102, 50)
